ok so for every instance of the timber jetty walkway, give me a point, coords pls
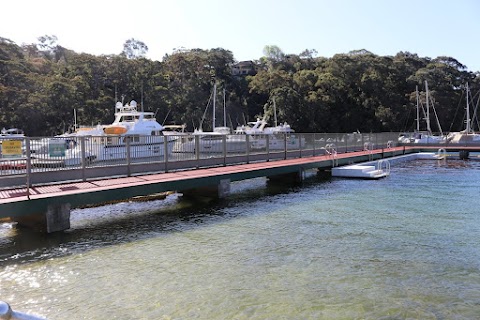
(41, 197)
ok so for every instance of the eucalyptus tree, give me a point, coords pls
(47, 44)
(133, 49)
(15, 84)
(273, 52)
(190, 75)
(446, 78)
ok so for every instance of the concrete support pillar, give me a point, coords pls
(292, 177)
(222, 190)
(56, 218)
(324, 174)
(464, 154)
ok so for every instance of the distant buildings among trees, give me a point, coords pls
(244, 68)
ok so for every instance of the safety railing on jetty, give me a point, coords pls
(26, 161)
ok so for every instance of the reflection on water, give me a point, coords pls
(402, 247)
(125, 222)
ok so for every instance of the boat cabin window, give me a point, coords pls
(113, 140)
(134, 138)
(96, 139)
(127, 119)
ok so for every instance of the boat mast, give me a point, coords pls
(141, 98)
(467, 122)
(474, 119)
(274, 111)
(224, 110)
(418, 109)
(75, 119)
(116, 100)
(429, 129)
(214, 98)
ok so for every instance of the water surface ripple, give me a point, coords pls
(403, 247)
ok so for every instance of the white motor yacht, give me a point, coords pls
(137, 130)
(133, 130)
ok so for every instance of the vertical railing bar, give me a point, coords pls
(28, 167)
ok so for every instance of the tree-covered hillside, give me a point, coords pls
(40, 86)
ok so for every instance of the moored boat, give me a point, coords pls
(133, 129)
(423, 136)
(468, 135)
(134, 133)
(12, 133)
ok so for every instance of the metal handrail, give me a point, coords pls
(441, 153)
(41, 163)
(384, 163)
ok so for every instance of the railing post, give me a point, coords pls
(224, 144)
(83, 160)
(285, 145)
(165, 152)
(197, 151)
(267, 146)
(28, 167)
(300, 144)
(127, 138)
(248, 147)
(313, 148)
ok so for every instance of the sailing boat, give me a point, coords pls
(426, 136)
(281, 134)
(212, 141)
(467, 136)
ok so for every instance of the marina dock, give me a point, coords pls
(47, 206)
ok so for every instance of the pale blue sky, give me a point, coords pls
(427, 27)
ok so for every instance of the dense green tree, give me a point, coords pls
(133, 49)
(42, 84)
(190, 75)
(273, 53)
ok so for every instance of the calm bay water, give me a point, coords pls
(406, 246)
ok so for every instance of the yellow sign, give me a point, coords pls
(11, 148)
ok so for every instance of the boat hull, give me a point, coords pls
(134, 150)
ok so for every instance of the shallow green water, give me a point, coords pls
(403, 247)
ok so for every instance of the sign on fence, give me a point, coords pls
(56, 148)
(11, 148)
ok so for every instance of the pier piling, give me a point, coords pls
(55, 218)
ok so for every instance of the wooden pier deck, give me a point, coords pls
(181, 180)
